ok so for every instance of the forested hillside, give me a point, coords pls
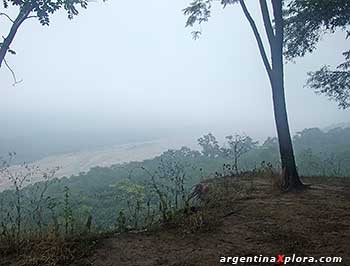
(133, 191)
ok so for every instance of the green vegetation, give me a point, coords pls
(139, 195)
(182, 188)
(306, 22)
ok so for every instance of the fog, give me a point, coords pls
(130, 71)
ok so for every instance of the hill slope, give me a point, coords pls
(238, 217)
(312, 223)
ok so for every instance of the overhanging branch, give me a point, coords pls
(22, 15)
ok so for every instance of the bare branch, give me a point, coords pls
(258, 38)
(7, 16)
(15, 81)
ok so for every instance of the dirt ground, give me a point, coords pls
(315, 223)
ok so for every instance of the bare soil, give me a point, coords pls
(315, 222)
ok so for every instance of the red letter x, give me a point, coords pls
(280, 258)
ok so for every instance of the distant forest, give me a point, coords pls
(135, 193)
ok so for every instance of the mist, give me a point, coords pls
(125, 72)
(126, 141)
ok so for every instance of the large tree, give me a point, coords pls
(200, 10)
(27, 9)
(306, 21)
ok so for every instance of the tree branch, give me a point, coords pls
(267, 22)
(31, 17)
(258, 39)
(3, 14)
(22, 15)
(15, 81)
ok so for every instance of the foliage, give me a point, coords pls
(238, 145)
(169, 182)
(133, 196)
(209, 145)
(307, 21)
(18, 178)
(142, 195)
(305, 24)
(199, 11)
(43, 9)
(332, 83)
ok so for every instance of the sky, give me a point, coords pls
(132, 67)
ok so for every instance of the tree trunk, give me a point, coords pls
(289, 169)
(22, 16)
(275, 74)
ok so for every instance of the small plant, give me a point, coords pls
(54, 227)
(267, 171)
(39, 200)
(168, 183)
(121, 222)
(238, 145)
(18, 176)
(132, 196)
(67, 212)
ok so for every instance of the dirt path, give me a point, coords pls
(312, 223)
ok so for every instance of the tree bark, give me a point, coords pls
(22, 16)
(289, 169)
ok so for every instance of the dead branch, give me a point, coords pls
(7, 16)
(15, 81)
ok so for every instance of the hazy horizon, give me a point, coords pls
(105, 78)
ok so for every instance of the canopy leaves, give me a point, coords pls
(306, 21)
(43, 8)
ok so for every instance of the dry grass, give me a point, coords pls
(49, 252)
